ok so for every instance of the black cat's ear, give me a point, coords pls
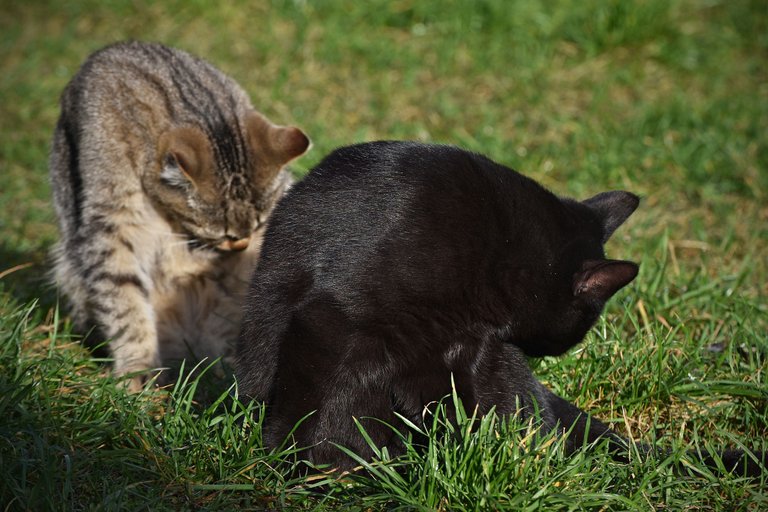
(613, 208)
(600, 279)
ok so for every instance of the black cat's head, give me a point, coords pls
(573, 280)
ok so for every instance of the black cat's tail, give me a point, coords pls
(583, 429)
(735, 461)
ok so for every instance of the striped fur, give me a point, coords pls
(163, 176)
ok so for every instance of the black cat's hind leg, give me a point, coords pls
(364, 426)
(331, 371)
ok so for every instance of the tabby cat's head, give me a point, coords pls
(571, 277)
(218, 187)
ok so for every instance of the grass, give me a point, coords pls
(667, 99)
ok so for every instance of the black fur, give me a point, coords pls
(393, 266)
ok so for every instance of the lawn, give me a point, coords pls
(667, 99)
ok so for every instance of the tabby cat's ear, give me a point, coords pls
(273, 144)
(613, 208)
(600, 279)
(184, 156)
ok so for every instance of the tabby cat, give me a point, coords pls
(163, 177)
(394, 267)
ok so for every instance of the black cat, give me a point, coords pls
(395, 265)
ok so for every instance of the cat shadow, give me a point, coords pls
(203, 381)
(207, 380)
(26, 276)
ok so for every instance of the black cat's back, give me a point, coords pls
(345, 214)
(388, 198)
(405, 240)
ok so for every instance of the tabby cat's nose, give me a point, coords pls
(234, 245)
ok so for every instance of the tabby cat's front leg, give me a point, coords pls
(128, 322)
(119, 304)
